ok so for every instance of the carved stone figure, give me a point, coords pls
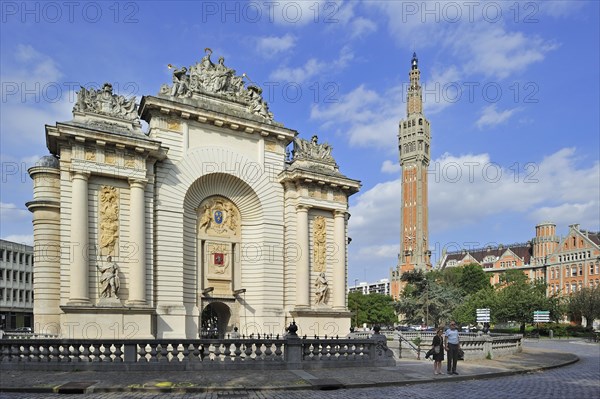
(104, 102)
(319, 243)
(312, 150)
(109, 279)
(180, 83)
(109, 218)
(207, 78)
(321, 289)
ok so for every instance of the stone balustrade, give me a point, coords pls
(291, 352)
(475, 345)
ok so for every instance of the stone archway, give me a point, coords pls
(214, 320)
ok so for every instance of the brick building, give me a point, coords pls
(566, 264)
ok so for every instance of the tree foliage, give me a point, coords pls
(518, 298)
(585, 303)
(371, 309)
(425, 300)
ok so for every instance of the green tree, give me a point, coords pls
(585, 303)
(518, 298)
(466, 312)
(424, 300)
(372, 309)
(473, 279)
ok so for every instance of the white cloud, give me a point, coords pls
(390, 167)
(372, 118)
(361, 27)
(298, 13)
(12, 213)
(484, 45)
(32, 96)
(20, 239)
(553, 8)
(313, 67)
(497, 53)
(438, 90)
(491, 117)
(585, 214)
(464, 190)
(273, 45)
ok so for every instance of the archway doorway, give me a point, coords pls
(214, 320)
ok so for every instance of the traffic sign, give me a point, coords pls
(483, 315)
(541, 316)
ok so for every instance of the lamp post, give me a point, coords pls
(356, 317)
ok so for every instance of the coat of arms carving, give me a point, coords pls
(219, 217)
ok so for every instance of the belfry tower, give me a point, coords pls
(414, 149)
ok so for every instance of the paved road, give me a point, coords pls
(577, 381)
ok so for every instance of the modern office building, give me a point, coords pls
(16, 285)
(379, 287)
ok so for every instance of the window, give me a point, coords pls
(15, 275)
(20, 295)
(14, 295)
(8, 274)
(591, 268)
(1, 294)
(21, 258)
(573, 271)
(8, 256)
(1, 274)
(573, 287)
(580, 270)
(27, 277)
(21, 276)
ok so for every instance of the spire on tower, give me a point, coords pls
(415, 61)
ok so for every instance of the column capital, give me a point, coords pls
(81, 175)
(302, 208)
(141, 183)
(338, 213)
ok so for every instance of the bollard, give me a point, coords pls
(551, 334)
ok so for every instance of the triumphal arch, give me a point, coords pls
(216, 217)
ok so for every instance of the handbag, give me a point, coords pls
(429, 353)
(436, 349)
(461, 354)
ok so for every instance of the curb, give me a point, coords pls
(317, 385)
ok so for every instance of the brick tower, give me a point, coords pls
(414, 149)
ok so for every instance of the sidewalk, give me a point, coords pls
(409, 371)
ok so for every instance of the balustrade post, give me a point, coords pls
(130, 353)
(293, 348)
(488, 349)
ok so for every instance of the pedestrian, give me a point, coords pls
(452, 346)
(438, 351)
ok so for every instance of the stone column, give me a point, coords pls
(302, 263)
(339, 266)
(46, 236)
(137, 227)
(79, 283)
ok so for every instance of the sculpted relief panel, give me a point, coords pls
(319, 243)
(108, 212)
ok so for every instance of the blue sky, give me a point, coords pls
(511, 90)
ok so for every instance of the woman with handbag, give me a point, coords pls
(438, 352)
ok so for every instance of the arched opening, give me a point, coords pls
(214, 320)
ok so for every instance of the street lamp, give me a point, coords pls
(240, 291)
(208, 290)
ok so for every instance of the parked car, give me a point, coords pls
(23, 329)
